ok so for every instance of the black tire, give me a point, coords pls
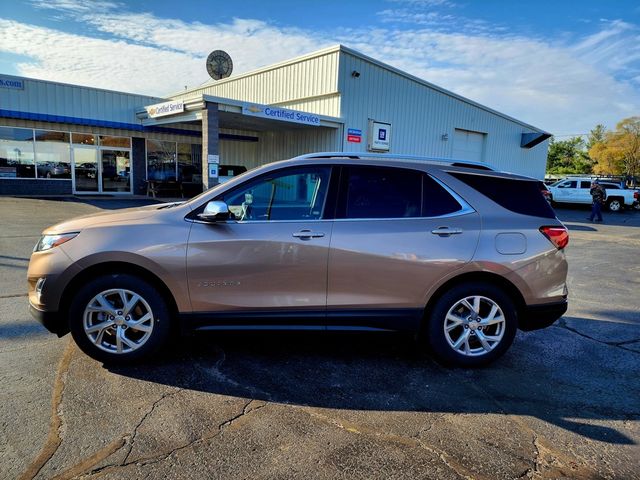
(160, 323)
(438, 342)
(615, 205)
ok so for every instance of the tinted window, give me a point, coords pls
(374, 192)
(436, 200)
(586, 184)
(386, 192)
(291, 194)
(519, 196)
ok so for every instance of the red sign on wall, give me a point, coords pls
(354, 138)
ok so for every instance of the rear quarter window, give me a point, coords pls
(519, 196)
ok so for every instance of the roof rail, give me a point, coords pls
(412, 158)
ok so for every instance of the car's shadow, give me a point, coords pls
(389, 373)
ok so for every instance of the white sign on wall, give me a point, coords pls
(282, 114)
(379, 136)
(213, 158)
(166, 108)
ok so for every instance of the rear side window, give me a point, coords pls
(519, 196)
(387, 192)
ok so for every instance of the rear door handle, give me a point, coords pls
(446, 231)
(306, 234)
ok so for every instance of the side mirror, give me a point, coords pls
(215, 211)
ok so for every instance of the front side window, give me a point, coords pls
(292, 194)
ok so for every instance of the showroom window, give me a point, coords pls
(16, 153)
(83, 139)
(119, 142)
(53, 159)
(171, 161)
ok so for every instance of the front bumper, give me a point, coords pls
(50, 320)
(534, 317)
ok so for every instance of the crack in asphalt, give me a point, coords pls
(145, 416)
(246, 409)
(54, 437)
(541, 446)
(14, 295)
(562, 324)
(412, 441)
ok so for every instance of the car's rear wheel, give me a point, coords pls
(119, 319)
(614, 205)
(471, 325)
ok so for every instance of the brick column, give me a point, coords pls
(209, 141)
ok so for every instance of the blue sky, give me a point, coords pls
(560, 65)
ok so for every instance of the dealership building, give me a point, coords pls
(60, 139)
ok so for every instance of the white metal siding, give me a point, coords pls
(280, 145)
(468, 145)
(60, 99)
(235, 152)
(289, 84)
(420, 115)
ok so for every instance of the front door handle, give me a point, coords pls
(446, 231)
(306, 234)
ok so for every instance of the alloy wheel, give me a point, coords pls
(474, 326)
(118, 321)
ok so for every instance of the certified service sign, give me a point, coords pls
(166, 108)
(282, 114)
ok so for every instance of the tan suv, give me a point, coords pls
(457, 253)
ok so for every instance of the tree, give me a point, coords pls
(568, 156)
(596, 135)
(618, 152)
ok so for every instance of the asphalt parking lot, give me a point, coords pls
(564, 402)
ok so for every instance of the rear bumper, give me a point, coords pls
(534, 317)
(50, 320)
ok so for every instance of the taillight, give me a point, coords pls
(636, 195)
(559, 236)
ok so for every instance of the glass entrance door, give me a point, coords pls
(115, 170)
(85, 169)
(101, 170)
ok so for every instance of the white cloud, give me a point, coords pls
(564, 86)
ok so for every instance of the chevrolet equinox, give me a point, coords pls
(455, 252)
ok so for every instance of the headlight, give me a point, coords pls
(47, 242)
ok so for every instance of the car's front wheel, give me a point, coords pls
(119, 319)
(471, 325)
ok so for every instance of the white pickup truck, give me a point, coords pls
(576, 190)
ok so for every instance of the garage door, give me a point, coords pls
(468, 145)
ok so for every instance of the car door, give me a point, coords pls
(583, 195)
(272, 258)
(397, 231)
(565, 191)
